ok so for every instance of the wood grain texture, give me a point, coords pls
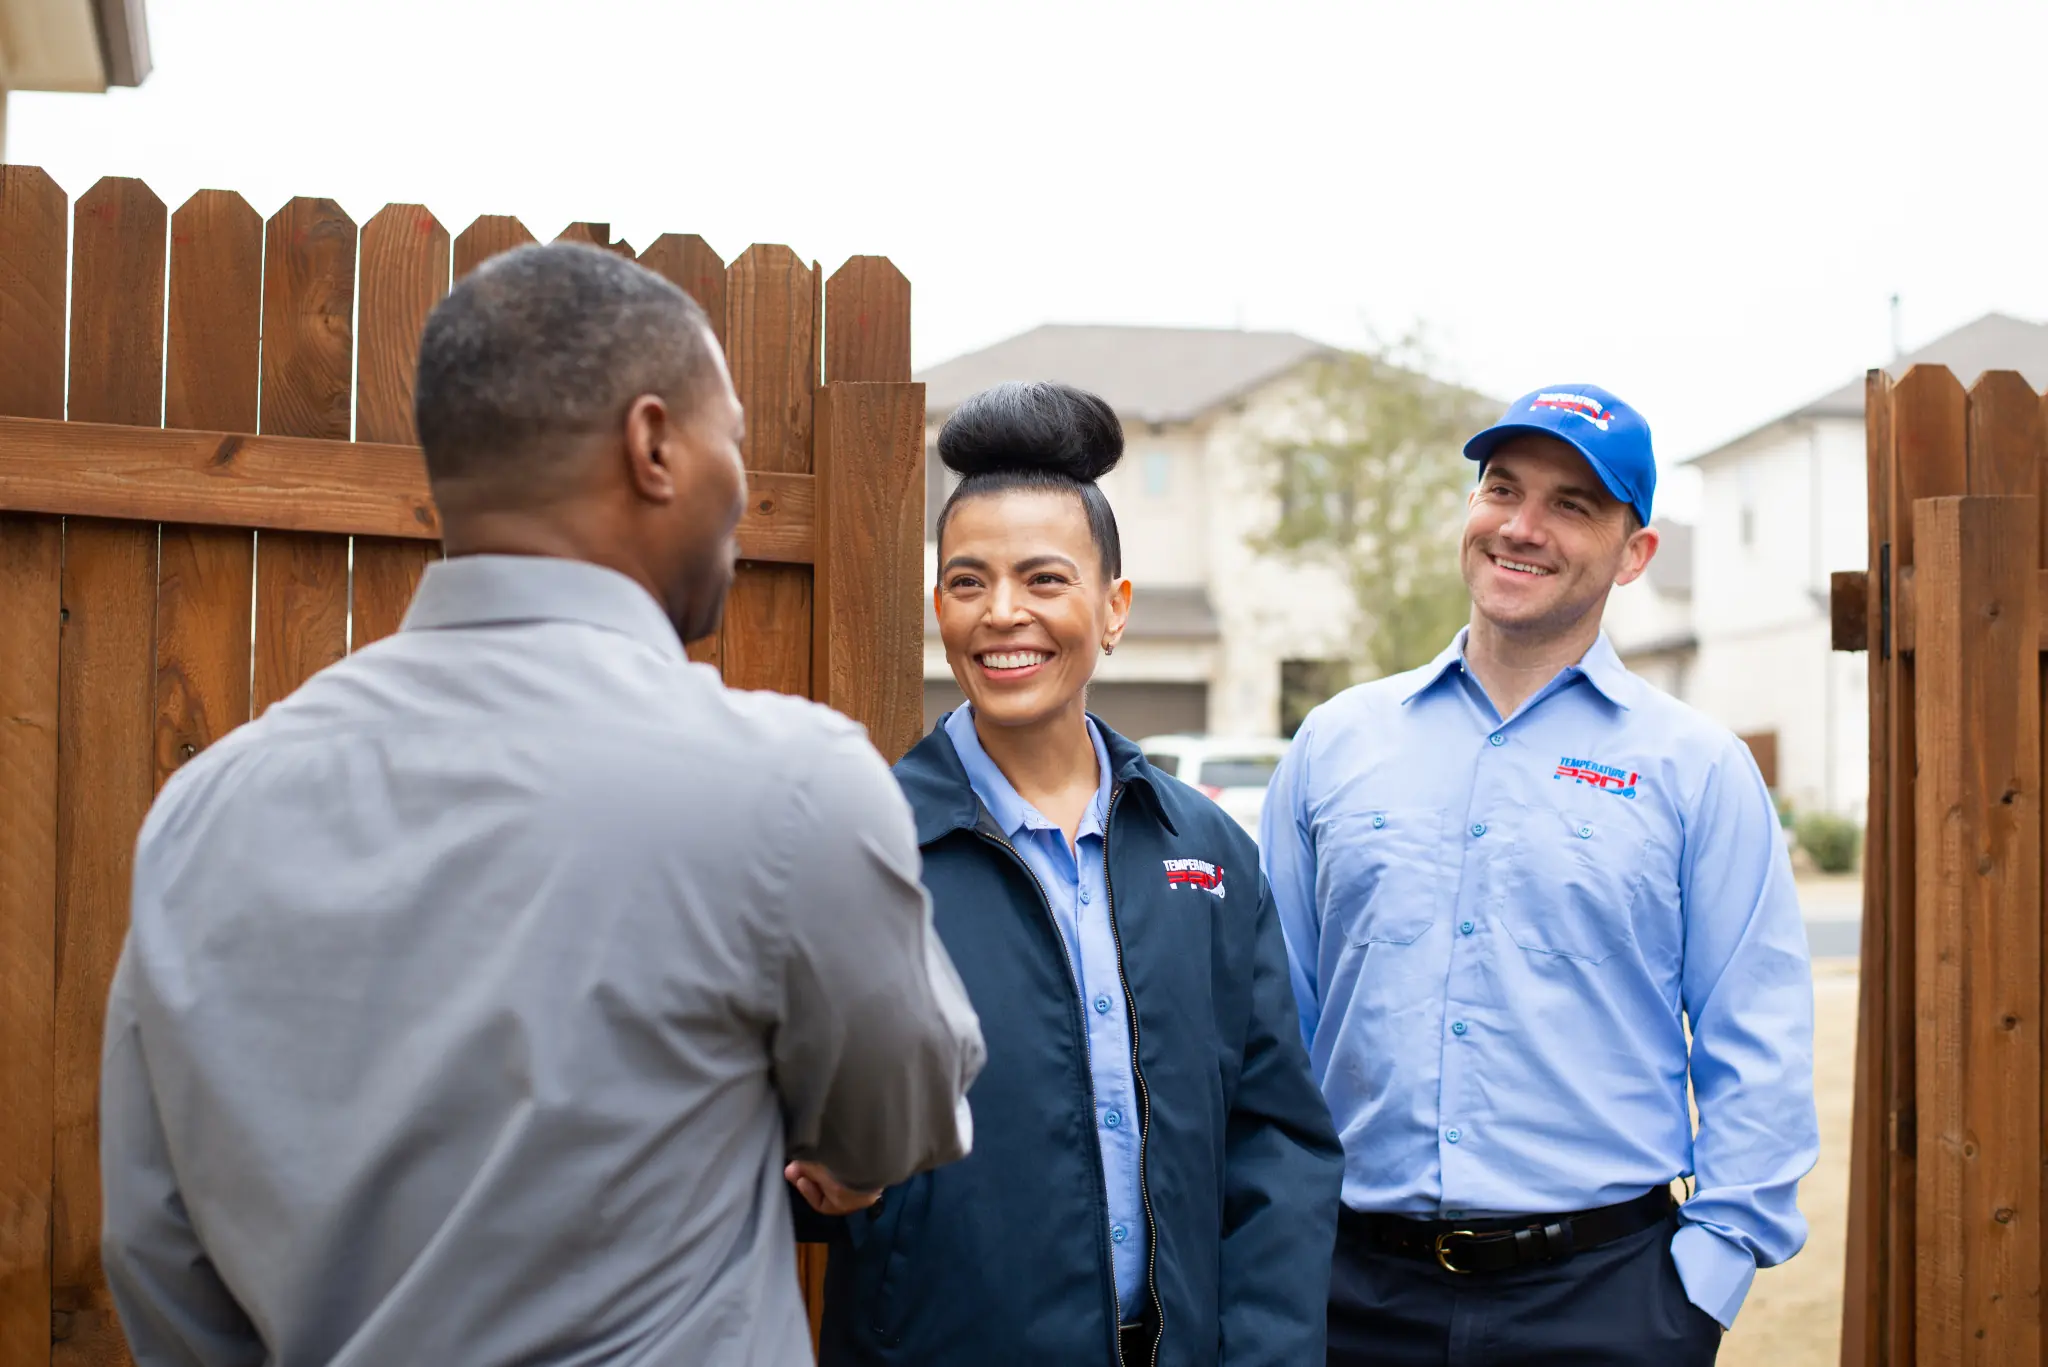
(1978, 1044)
(205, 573)
(293, 484)
(34, 226)
(772, 347)
(485, 238)
(104, 788)
(687, 262)
(1849, 610)
(2005, 436)
(31, 559)
(1865, 1299)
(867, 322)
(868, 634)
(405, 272)
(1929, 429)
(117, 304)
(595, 235)
(309, 275)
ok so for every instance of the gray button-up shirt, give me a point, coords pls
(477, 993)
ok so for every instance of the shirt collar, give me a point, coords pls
(1600, 666)
(1005, 804)
(500, 590)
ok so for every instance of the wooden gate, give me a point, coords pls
(220, 496)
(1946, 1192)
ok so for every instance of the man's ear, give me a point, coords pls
(651, 451)
(1637, 555)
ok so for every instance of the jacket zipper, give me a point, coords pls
(1079, 1021)
(1144, 1100)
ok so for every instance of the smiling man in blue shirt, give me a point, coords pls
(1510, 882)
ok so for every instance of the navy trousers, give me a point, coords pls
(1618, 1305)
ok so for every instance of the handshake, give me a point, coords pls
(824, 1191)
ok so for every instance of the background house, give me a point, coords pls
(1779, 510)
(1650, 621)
(1214, 626)
(70, 45)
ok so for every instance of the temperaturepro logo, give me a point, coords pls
(1193, 873)
(1592, 773)
(1586, 408)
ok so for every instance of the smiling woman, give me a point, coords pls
(1116, 938)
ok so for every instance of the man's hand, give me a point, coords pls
(824, 1193)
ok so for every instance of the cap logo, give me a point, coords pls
(1586, 408)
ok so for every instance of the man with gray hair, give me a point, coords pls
(478, 995)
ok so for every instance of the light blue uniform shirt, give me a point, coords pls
(1076, 890)
(1498, 931)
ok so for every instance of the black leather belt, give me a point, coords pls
(1514, 1241)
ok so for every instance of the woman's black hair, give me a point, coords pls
(1037, 435)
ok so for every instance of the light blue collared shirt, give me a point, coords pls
(1076, 890)
(1498, 931)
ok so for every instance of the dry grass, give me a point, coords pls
(1793, 1317)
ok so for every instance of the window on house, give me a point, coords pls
(1158, 474)
(1303, 685)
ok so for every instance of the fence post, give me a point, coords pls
(1977, 829)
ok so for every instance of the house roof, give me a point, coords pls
(1147, 374)
(1996, 341)
(1156, 614)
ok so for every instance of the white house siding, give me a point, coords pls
(1779, 512)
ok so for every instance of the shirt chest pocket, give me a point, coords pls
(1383, 874)
(1568, 884)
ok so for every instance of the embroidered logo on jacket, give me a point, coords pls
(1193, 873)
(1605, 777)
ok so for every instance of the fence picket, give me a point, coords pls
(1978, 1042)
(34, 224)
(309, 282)
(485, 238)
(205, 574)
(106, 702)
(772, 345)
(405, 261)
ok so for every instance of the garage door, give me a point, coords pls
(1136, 709)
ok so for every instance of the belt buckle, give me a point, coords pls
(1443, 1253)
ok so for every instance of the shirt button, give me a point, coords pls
(1464, 927)
(1497, 739)
(1454, 1135)
(1113, 1119)
(1119, 1234)
(1478, 828)
(1378, 822)
(1084, 897)
(1458, 1028)
(1585, 832)
(1102, 1006)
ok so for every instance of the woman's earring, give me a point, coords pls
(1109, 647)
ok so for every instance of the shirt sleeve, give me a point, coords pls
(1748, 989)
(876, 1042)
(1283, 1168)
(1289, 859)
(173, 1306)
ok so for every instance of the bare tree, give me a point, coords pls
(1371, 481)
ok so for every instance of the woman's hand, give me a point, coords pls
(824, 1192)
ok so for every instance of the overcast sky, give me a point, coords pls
(1705, 207)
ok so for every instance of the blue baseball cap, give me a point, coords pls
(1612, 437)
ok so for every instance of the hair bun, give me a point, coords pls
(1035, 425)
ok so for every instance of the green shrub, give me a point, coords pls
(1833, 842)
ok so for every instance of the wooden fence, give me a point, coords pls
(1948, 1146)
(220, 496)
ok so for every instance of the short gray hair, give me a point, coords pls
(548, 342)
